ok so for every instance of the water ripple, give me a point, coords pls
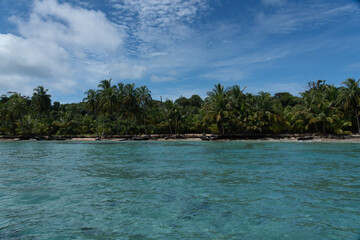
(179, 190)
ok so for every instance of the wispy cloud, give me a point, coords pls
(157, 79)
(353, 67)
(299, 16)
(155, 24)
(273, 2)
(157, 13)
(55, 44)
(164, 43)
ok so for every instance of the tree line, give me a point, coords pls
(126, 109)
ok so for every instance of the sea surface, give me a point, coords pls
(179, 190)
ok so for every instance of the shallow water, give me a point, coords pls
(179, 190)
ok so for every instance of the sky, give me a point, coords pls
(176, 47)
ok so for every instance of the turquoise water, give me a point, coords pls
(179, 190)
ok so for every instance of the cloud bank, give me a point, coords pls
(166, 44)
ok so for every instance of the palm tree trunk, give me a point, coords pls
(103, 131)
(222, 130)
(97, 123)
(170, 127)
(316, 130)
(97, 126)
(176, 126)
(357, 119)
(324, 130)
(144, 123)
(127, 125)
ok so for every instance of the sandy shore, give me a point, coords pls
(200, 137)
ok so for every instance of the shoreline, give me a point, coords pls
(195, 137)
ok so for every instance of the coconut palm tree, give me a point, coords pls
(41, 100)
(261, 114)
(237, 101)
(65, 123)
(108, 100)
(130, 102)
(144, 97)
(216, 107)
(15, 108)
(25, 125)
(91, 101)
(108, 97)
(350, 97)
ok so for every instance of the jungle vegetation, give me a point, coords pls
(126, 109)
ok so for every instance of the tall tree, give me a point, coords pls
(144, 97)
(237, 101)
(41, 100)
(216, 107)
(350, 97)
(91, 101)
(108, 99)
(15, 108)
(130, 102)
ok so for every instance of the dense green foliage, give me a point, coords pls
(126, 109)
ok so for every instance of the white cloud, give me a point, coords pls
(23, 62)
(70, 27)
(70, 48)
(28, 57)
(295, 17)
(157, 79)
(158, 13)
(127, 70)
(56, 46)
(273, 2)
(156, 24)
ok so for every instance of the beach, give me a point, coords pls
(195, 137)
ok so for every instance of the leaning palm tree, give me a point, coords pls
(144, 97)
(350, 97)
(216, 107)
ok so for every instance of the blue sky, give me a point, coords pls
(176, 47)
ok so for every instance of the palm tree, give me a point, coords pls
(15, 108)
(91, 101)
(65, 123)
(108, 98)
(130, 102)
(237, 100)
(216, 107)
(144, 97)
(350, 97)
(41, 100)
(167, 108)
(25, 125)
(260, 115)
